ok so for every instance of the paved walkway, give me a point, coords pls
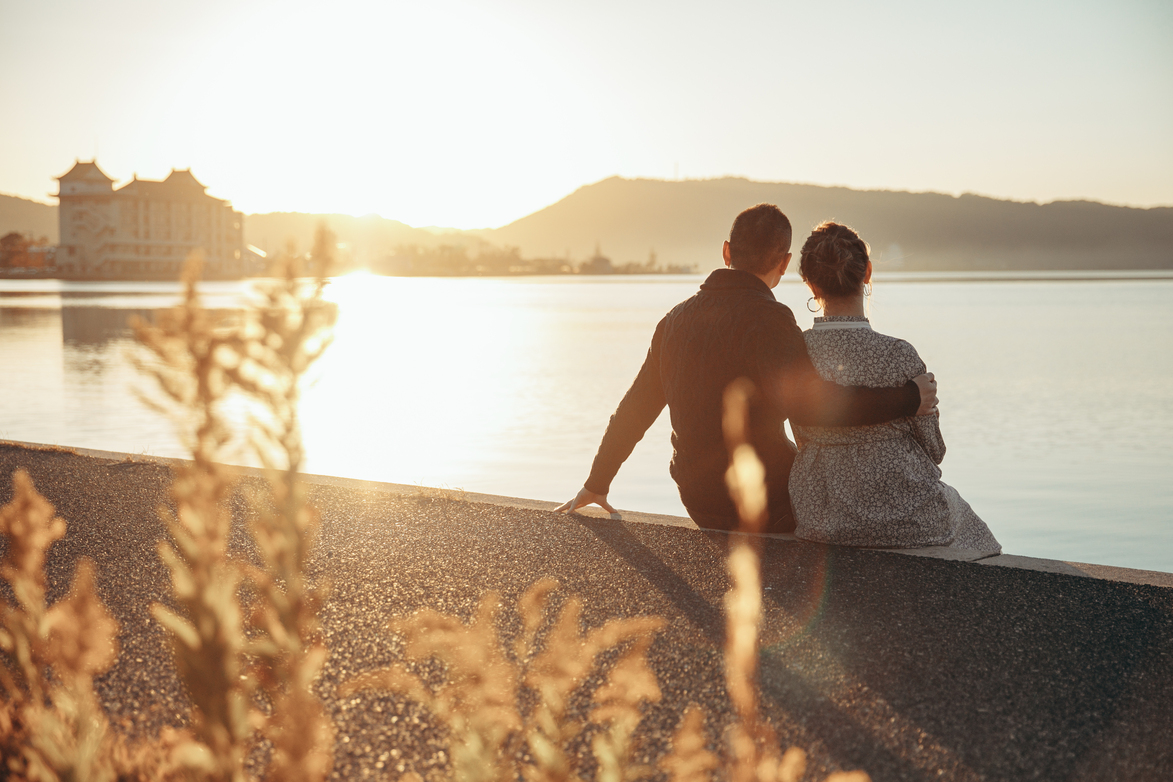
(910, 668)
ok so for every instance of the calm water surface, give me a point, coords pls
(1056, 395)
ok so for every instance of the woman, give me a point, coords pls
(877, 485)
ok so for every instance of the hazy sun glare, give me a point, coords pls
(341, 109)
(430, 368)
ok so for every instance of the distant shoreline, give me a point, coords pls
(1109, 275)
(652, 223)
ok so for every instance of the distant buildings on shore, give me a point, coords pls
(451, 260)
(146, 229)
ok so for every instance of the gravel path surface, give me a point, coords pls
(909, 668)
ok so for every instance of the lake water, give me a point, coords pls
(1056, 394)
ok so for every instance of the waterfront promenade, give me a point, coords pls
(908, 667)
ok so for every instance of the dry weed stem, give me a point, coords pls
(51, 724)
(491, 735)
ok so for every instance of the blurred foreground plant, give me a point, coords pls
(755, 755)
(51, 724)
(196, 360)
(288, 335)
(510, 715)
(246, 679)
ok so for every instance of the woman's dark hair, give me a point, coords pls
(834, 260)
(759, 235)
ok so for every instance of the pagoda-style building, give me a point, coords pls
(146, 229)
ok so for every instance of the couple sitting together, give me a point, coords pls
(863, 410)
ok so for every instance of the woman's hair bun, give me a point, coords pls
(834, 261)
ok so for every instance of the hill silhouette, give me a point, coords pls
(684, 223)
(31, 218)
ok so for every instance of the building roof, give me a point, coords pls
(182, 177)
(180, 185)
(83, 170)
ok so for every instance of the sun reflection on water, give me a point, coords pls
(412, 382)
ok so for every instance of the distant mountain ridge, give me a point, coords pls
(684, 223)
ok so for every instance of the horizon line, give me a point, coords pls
(679, 180)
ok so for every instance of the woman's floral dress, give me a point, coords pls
(876, 486)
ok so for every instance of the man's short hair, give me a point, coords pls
(760, 235)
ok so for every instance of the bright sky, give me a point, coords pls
(473, 114)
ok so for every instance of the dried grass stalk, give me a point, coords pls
(746, 476)
(288, 335)
(51, 724)
(198, 363)
(492, 736)
(754, 753)
(194, 360)
(690, 760)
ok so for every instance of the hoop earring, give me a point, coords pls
(815, 308)
(867, 289)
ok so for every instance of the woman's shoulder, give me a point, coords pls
(897, 345)
(877, 355)
(904, 354)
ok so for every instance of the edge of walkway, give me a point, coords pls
(1079, 569)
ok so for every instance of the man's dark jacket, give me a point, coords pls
(733, 327)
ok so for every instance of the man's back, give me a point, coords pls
(732, 328)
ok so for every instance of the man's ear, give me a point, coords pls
(785, 263)
(725, 255)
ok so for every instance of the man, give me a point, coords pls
(733, 328)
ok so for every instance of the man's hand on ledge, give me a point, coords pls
(582, 499)
(928, 393)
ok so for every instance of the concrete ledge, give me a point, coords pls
(1083, 569)
(1079, 569)
(358, 483)
(942, 552)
